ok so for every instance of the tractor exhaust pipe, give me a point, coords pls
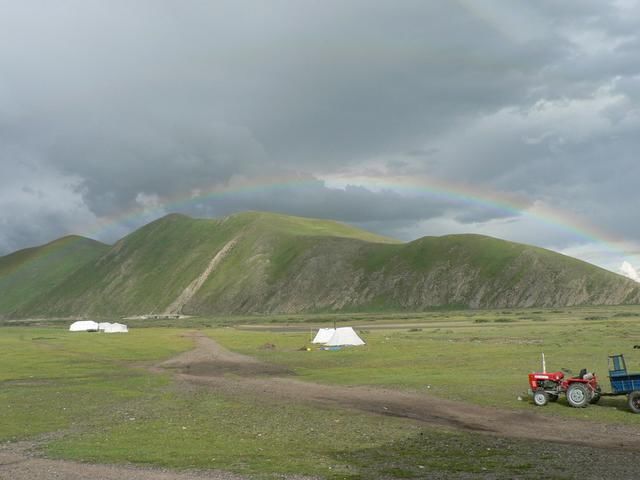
(544, 365)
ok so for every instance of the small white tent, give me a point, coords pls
(103, 326)
(344, 336)
(323, 335)
(84, 326)
(116, 328)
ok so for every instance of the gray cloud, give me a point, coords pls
(109, 106)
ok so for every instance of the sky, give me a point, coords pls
(508, 118)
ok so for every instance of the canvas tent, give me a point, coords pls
(84, 326)
(323, 335)
(344, 336)
(107, 327)
(117, 328)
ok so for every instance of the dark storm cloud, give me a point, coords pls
(313, 198)
(105, 106)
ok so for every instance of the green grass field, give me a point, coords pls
(480, 357)
(93, 397)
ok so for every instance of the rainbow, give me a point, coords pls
(513, 205)
(454, 193)
(516, 206)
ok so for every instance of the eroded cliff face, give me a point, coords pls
(329, 276)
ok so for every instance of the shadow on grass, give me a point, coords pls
(436, 454)
(445, 455)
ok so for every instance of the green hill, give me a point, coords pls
(268, 263)
(31, 273)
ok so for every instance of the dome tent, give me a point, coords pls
(84, 326)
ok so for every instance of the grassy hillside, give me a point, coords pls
(268, 263)
(28, 274)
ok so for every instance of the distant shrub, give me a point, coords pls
(627, 314)
(481, 320)
(595, 317)
(415, 329)
(503, 320)
(539, 319)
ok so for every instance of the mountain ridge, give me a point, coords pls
(264, 263)
(28, 273)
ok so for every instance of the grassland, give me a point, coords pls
(480, 357)
(95, 394)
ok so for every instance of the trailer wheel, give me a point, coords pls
(540, 398)
(578, 395)
(634, 401)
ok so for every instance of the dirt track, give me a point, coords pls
(209, 363)
(18, 463)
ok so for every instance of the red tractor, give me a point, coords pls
(547, 386)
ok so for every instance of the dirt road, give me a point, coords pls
(209, 363)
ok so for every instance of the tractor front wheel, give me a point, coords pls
(540, 398)
(634, 401)
(578, 395)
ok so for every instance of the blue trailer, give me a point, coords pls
(624, 383)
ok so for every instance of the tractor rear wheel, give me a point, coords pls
(540, 398)
(634, 401)
(578, 395)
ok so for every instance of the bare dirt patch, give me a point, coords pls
(208, 360)
(18, 462)
(209, 364)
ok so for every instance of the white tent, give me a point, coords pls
(344, 336)
(103, 326)
(84, 326)
(323, 335)
(116, 328)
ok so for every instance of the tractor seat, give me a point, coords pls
(581, 375)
